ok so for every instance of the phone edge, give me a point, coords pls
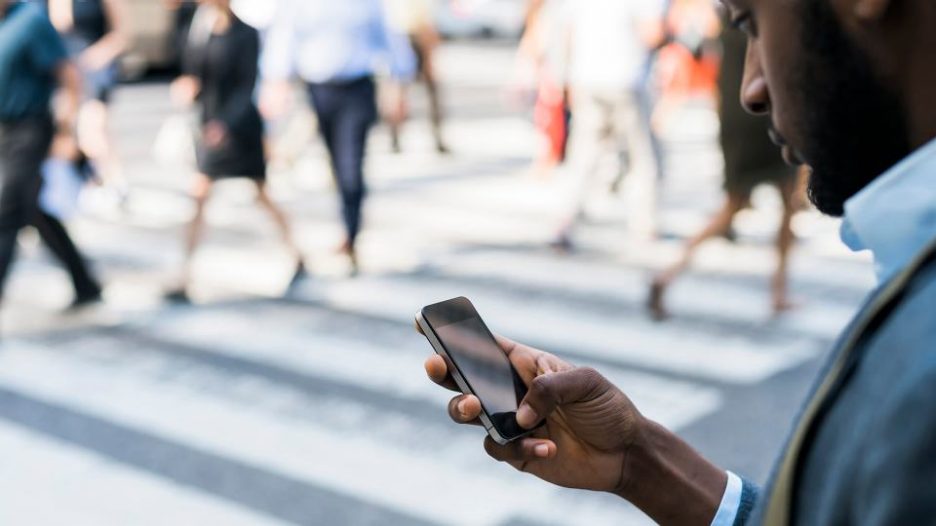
(457, 376)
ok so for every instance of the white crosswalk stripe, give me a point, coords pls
(360, 465)
(50, 480)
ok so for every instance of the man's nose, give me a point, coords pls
(755, 96)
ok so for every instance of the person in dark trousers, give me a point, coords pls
(221, 74)
(848, 86)
(334, 47)
(33, 61)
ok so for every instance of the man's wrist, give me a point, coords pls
(668, 480)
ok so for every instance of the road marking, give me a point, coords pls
(44, 481)
(626, 339)
(392, 369)
(442, 483)
(629, 286)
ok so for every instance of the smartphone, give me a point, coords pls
(477, 363)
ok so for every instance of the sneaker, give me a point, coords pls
(178, 296)
(85, 299)
(298, 277)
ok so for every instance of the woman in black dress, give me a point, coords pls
(751, 159)
(220, 73)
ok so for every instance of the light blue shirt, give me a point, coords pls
(895, 216)
(325, 41)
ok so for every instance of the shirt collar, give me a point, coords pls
(895, 216)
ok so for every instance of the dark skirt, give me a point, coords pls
(240, 156)
(751, 158)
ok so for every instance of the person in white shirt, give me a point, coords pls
(609, 46)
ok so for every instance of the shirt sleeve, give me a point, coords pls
(47, 50)
(730, 503)
(278, 61)
(396, 47)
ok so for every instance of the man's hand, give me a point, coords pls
(595, 439)
(589, 428)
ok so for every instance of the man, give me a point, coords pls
(848, 85)
(32, 62)
(335, 47)
(609, 44)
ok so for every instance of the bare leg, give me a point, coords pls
(720, 223)
(396, 116)
(200, 192)
(282, 224)
(785, 239)
(435, 99)
(279, 217)
(95, 141)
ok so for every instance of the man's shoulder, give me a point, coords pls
(30, 12)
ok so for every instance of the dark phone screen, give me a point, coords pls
(480, 360)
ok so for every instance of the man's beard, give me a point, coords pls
(854, 127)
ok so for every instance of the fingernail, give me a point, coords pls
(526, 416)
(462, 408)
(541, 451)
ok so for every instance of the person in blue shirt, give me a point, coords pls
(33, 62)
(336, 49)
(848, 86)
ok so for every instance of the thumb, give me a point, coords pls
(549, 391)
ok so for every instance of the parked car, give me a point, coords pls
(480, 18)
(151, 25)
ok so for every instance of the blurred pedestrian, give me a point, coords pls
(220, 73)
(33, 61)
(751, 159)
(413, 21)
(540, 64)
(610, 42)
(336, 48)
(95, 36)
(688, 64)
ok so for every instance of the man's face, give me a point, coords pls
(829, 107)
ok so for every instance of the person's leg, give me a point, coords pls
(356, 115)
(55, 236)
(591, 130)
(717, 225)
(95, 141)
(285, 229)
(436, 115)
(644, 172)
(201, 191)
(23, 147)
(785, 240)
(396, 100)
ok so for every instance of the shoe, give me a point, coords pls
(85, 299)
(178, 296)
(655, 302)
(562, 244)
(299, 276)
(348, 249)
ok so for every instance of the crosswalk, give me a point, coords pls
(324, 388)
(256, 407)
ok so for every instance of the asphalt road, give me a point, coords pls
(256, 407)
